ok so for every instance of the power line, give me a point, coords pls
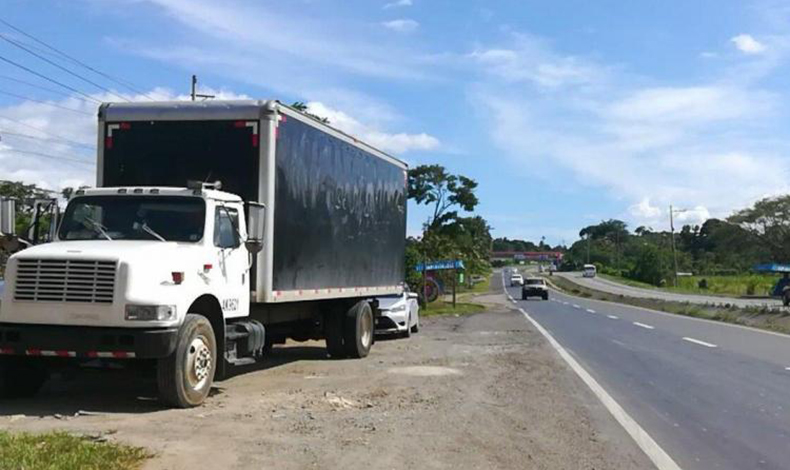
(45, 103)
(55, 64)
(51, 157)
(50, 90)
(42, 139)
(26, 69)
(124, 83)
(55, 136)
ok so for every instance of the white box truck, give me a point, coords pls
(306, 229)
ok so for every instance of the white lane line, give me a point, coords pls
(589, 310)
(613, 317)
(510, 297)
(576, 306)
(701, 343)
(565, 303)
(649, 446)
(787, 368)
(514, 301)
(643, 325)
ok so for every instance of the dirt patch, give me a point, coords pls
(474, 391)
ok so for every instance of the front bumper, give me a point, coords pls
(391, 323)
(87, 342)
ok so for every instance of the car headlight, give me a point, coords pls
(398, 309)
(150, 312)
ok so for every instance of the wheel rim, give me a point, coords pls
(367, 329)
(199, 362)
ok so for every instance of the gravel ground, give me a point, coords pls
(473, 392)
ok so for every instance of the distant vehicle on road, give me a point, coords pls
(398, 314)
(589, 270)
(534, 287)
(516, 280)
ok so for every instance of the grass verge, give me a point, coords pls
(734, 286)
(62, 451)
(441, 307)
(758, 317)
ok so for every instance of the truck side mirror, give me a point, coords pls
(7, 217)
(256, 224)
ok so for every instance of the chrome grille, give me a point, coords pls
(55, 280)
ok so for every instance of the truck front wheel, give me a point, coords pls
(185, 377)
(21, 377)
(358, 334)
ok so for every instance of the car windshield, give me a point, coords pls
(171, 218)
(535, 282)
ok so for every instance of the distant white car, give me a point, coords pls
(398, 314)
(516, 280)
(589, 270)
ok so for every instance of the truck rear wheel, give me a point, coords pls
(358, 330)
(21, 377)
(185, 377)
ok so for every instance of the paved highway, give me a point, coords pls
(605, 285)
(712, 395)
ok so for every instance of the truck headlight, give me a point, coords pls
(150, 312)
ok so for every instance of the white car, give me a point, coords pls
(516, 280)
(398, 314)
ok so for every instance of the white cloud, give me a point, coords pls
(747, 44)
(643, 210)
(706, 147)
(530, 60)
(398, 3)
(396, 143)
(402, 25)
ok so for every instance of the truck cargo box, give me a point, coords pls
(336, 207)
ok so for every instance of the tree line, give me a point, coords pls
(733, 245)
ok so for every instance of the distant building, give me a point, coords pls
(553, 256)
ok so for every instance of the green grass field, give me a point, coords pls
(734, 286)
(441, 307)
(63, 451)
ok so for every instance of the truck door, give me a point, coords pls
(233, 262)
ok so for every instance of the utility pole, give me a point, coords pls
(194, 94)
(672, 234)
(588, 248)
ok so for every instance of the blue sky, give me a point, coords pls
(565, 112)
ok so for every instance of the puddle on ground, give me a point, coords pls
(425, 371)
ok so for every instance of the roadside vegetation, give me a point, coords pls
(63, 451)
(445, 307)
(757, 317)
(448, 235)
(720, 253)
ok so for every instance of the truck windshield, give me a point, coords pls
(173, 218)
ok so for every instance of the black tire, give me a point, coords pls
(416, 327)
(358, 330)
(523, 296)
(185, 377)
(407, 333)
(333, 332)
(546, 296)
(21, 377)
(786, 299)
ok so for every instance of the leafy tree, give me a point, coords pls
(652, 265)
(25, 196)
(301, 106)
(434, 185)
(769, 222)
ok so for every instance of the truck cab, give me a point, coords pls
(126, 269)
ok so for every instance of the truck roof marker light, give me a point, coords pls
(207, 267)
(178, 277)
(137, 190)
(154, 191)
